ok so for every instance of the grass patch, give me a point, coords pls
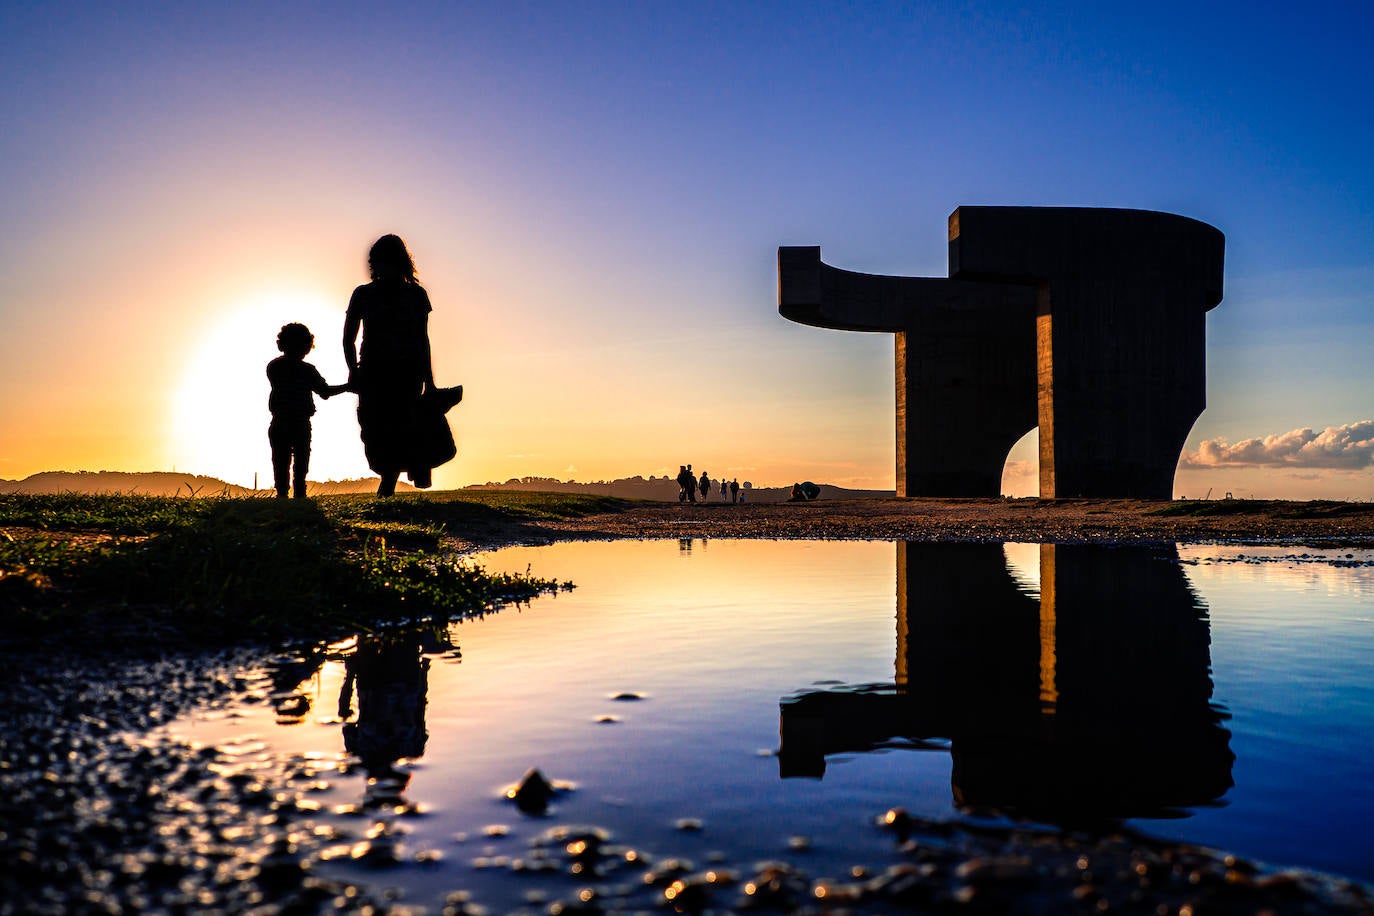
(114, 514)
(244, 569)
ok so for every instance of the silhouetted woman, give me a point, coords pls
(393, 369)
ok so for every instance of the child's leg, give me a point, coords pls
(388, 485)
(302, 465)
(281, 457)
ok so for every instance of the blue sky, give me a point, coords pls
(594, 193)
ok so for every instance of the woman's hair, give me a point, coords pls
(389, 260)
(295, 339)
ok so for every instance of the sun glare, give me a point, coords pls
(219, 410)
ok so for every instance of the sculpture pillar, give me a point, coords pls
(965, 364)
(1120, 334)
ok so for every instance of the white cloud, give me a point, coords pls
(1349, 447)
(1016, 467)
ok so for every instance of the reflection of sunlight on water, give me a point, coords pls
(734, 573)
(709, 641)
(1333, 572)
(1024, 562)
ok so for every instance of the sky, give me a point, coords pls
(594, 193)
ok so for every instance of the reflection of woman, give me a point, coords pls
(391, 679)
(394, 368)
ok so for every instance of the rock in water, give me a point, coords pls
(533, 793)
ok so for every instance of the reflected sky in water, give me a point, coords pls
(686, 679)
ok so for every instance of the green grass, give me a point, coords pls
(110, 514)
(253, 568)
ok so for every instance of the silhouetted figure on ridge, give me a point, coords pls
(691, 485)
(734, 490)
(394, 369)
(684, 483)
(292, 403)
(705, 485)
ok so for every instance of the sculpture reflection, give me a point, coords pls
(1092, 701)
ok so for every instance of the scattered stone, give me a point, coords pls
(533, 793)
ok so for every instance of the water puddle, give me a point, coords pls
(696, 708)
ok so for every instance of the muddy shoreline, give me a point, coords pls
(1023, 520)
(96, 818)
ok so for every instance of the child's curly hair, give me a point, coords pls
(295, 339)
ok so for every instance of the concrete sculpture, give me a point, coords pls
(1088, 323)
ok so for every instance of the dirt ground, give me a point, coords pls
(1027, 520)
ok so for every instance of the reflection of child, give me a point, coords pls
(291, 403)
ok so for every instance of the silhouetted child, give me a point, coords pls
(292, 403)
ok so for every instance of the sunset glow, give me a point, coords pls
(595, 198)
(217, 425)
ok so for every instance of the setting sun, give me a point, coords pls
(218, 412)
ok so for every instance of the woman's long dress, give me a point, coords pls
(393, 364)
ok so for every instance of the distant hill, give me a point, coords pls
(664, 489)
(164, 483)
(168, 483)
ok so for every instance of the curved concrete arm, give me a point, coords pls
(814, 293)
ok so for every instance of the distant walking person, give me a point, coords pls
(705, 485)
(394, 367)
(292, 403)
(684, 482)
(734, 490)
(691, 485)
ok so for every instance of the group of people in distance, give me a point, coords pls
(691, 489)
(392, 375)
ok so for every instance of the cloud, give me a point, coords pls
(1018, 468)
(1349, 447)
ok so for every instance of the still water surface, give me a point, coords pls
(784, 693)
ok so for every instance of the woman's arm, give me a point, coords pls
(350, 335)
(427, 357)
